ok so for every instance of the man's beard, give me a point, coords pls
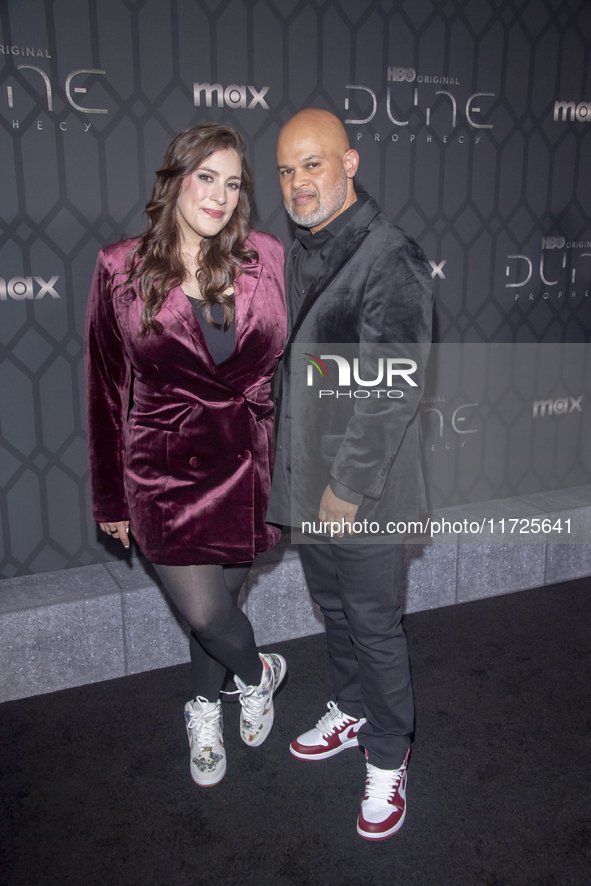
(325, 207)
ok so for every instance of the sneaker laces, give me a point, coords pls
(206, 722)
(333, 719)
(252, 703)
(253, 698)
(381, 783)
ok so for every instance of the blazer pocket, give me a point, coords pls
(154, 425)
(331, 443)
(343, 294)
(338, 297)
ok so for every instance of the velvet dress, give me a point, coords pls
(179, 446)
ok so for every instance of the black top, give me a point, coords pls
(220, 343)
(317, 246)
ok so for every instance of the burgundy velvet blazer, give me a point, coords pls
(190, 463)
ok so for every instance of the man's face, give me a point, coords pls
(313, 179)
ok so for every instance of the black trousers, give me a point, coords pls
(357, 588)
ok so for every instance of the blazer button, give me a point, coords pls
(152, 368)
(246, 455)
(194, 462)
(238, 399)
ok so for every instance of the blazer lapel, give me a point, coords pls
(245, 287)
(178, 303)
(288, 275)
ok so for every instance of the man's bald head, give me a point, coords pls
(317, 123)
(316, 167)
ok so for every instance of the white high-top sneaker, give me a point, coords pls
(204, 723)
(257, 713)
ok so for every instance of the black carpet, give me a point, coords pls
(96, 788)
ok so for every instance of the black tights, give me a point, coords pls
(221, 635)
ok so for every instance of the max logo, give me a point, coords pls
(233, 96)
(21, 288)
(399, 367)
(557, 407)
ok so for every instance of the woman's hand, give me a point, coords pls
(117, 530)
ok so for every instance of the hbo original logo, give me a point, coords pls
(553, 242)
(401, 75)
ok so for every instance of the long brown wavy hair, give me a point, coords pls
(156, 265)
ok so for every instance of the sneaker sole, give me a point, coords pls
(261, 738)
(324, 755)
(208, 784)
(368, 835)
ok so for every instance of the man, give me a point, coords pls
(352, 276)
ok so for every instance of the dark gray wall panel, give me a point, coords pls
(74, 180)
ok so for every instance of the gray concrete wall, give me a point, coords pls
(82, 625)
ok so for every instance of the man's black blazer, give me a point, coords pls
(375, 287)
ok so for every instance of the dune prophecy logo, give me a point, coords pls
(562, 271)
(427, 97)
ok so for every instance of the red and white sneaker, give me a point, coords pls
(383, 807)
(332, 734)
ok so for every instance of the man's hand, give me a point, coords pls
(335, 510)
(117, 530)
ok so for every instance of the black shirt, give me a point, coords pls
(311, 258)
(221, 343)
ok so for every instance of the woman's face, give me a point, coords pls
(209, 196)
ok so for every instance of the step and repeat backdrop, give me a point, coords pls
(473, 124)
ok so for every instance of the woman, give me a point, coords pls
(188, 323)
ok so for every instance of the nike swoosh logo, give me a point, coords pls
(402, 788)
(351, 732)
